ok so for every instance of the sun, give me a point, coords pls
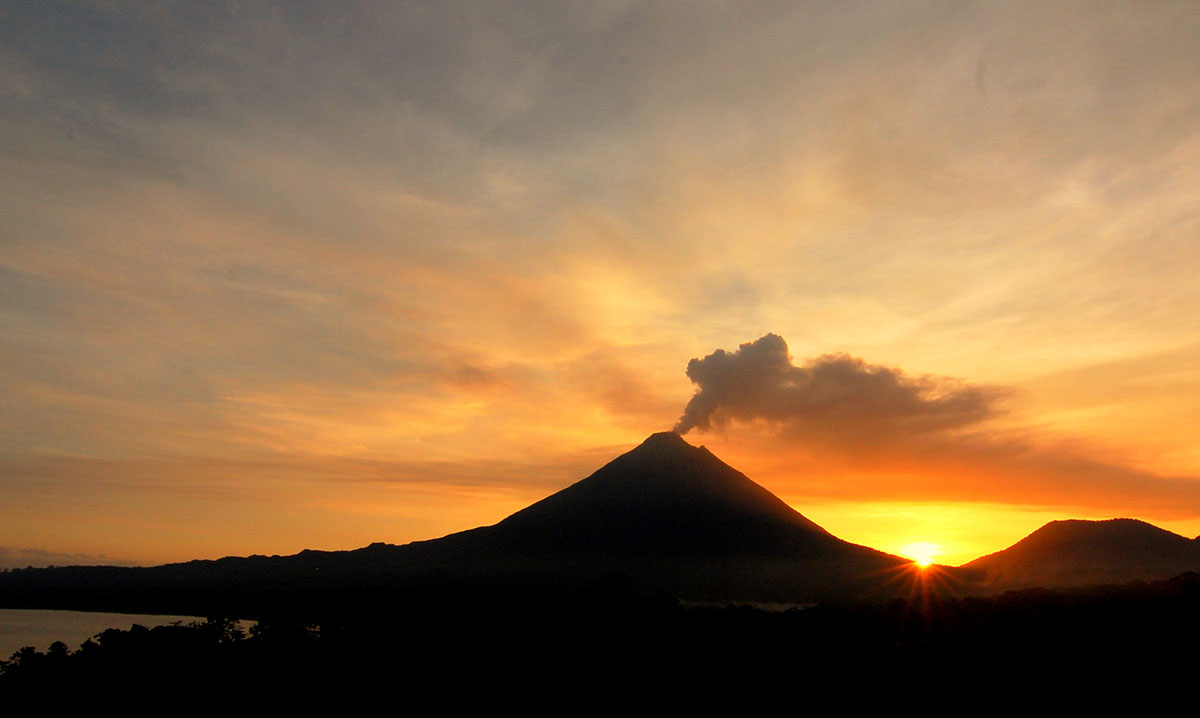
(921, 552)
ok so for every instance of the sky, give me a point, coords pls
(277, 276)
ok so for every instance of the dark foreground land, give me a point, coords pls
(609, 641)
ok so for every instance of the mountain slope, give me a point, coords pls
(1076, 552)
(665, 497)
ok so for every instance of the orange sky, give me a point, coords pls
(276, 277)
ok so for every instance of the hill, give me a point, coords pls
(1077, 553)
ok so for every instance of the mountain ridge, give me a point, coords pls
(667, 515)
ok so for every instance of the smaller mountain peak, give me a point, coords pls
(1097, 526)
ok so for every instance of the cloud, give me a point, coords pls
(834, 395)
(11, 557)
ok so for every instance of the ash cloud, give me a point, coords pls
(836, 395)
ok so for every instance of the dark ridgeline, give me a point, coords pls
(1079, 553)
(666, 517)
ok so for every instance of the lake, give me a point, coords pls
(22, 627)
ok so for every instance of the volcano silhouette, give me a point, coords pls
(674, 517)
(664, 498)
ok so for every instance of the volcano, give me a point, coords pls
(665, 498)
(670, 516)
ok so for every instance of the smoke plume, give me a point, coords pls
(833, 394)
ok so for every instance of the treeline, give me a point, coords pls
(613, 638)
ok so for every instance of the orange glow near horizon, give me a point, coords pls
(404, 296)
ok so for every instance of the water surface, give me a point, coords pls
(38, 628)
